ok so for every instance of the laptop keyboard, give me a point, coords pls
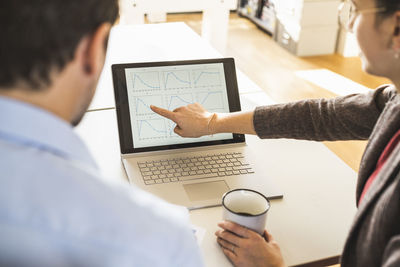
(190, 168)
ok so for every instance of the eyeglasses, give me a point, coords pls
(348, 11)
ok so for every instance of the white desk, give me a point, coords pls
(310, 222)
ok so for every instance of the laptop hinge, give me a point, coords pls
(182, 150)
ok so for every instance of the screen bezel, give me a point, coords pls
(122, 104)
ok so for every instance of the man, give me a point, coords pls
(55, 210)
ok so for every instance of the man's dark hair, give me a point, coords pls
(39, 36)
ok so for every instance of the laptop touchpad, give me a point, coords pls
(206, 191)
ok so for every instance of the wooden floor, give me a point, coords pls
(274, 70)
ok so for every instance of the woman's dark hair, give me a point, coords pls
(39, 36)
(392, 6)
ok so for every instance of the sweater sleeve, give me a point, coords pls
(349, 117)
(391, 257)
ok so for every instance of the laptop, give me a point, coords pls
(193, 172)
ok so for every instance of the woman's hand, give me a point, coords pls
(191, 120)
(244, 247)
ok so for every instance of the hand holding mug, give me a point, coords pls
(243, 238)
(246, 248)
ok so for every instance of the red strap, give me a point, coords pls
(382, 159)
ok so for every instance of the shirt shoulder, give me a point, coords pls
(69, 205)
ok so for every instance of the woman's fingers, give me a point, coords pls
(244, 247)
(268, 237)
(235, 228)
(178, 130)
(225, 244)
(163, 112)
(230, 237)
(231, 256)
(178, 109)
(192, 120)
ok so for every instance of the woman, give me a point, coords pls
(374, 239)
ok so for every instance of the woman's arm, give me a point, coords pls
(351, 117)
(194, 121)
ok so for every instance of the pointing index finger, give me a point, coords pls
(163, 112)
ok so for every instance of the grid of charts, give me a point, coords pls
(171, 87)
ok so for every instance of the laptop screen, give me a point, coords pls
(170, 85)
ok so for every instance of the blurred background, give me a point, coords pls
(292, 49)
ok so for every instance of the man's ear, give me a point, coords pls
(396, 32)
(94, 54)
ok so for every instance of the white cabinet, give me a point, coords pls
(307, 27)
(215, 15)
(308, 13)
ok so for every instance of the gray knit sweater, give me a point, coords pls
(374, 238)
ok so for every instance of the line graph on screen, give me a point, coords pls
(177, 79)
(146, 81)
(142, 104)
(175, 101)
(152, 129)
(211, 100)
(206, 78)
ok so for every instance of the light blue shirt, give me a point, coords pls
(56, 210)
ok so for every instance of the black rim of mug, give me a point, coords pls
(245, 189)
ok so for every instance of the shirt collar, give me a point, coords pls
(29, 125)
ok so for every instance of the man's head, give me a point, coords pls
(53, 51)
